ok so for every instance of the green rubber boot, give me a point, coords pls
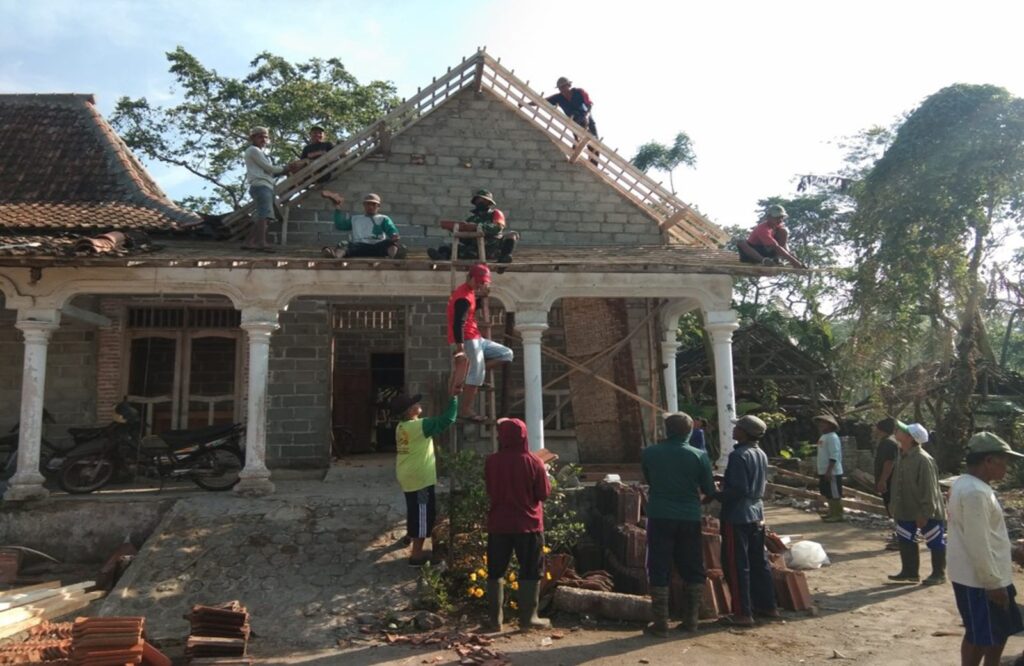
(529, 600)
(495, 605)
(659, 609)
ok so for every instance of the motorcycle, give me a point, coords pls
(210, 457)
(51, 456)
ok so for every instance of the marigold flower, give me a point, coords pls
(546, 550)
(478, 593)
(512, 577)
(514, 605)
(481, 572)
(548, 575)
(514, 586)
(472, 576)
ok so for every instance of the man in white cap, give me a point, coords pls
(979, 553)
(917, 506)
(371, 234)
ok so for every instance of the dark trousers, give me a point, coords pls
(378, 249)
(420, 513)
(746, 568)
(676, 542)
(529, 550)
(495, 248)
(831, 489)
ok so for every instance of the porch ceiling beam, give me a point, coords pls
(88, 316)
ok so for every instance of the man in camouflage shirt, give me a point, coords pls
(498, 242)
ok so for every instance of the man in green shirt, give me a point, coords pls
(416, 467)
(677, 474)
(499, 243)
(370, 234)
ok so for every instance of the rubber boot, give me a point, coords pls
(692, 596)
(910, 557)
(659, 609)
(938, 576)
(529, 599)
(835, 511)
(495, 606)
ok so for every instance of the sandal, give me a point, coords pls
(330, 252)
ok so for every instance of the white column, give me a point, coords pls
(669, 349)
(259, 324)
(531, 324)
(720, 324)
(36, 326)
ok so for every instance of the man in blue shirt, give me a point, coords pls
(742, 520)
(677, 474)
(576, 104)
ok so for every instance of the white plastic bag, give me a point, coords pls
(806, 555)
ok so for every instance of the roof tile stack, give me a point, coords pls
(220, 634)
(48, 644)
(107, 641)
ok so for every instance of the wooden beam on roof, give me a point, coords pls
(88, 316)
(581, 145)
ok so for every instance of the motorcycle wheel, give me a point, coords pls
(217, 469)
(85, 474)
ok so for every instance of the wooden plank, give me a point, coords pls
(17, 600)
(25, 617)
(816, 497)
(813, 482)
(48, 585)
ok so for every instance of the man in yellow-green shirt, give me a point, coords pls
(416, 467)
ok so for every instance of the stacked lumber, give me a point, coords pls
(107, 641)
(24, 608)
(219, 635)
(47, 643)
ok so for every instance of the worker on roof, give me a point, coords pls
(576, 104)
(371, 234)
(260, 173)
(465, 337)
(498, 242)
(767, 243)
(316, 147)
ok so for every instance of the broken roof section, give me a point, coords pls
(680, 222)
(65, 173)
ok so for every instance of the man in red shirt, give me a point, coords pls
(463, 334)
(517, 485)
(767, 242)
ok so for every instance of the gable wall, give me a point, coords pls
(476, 142)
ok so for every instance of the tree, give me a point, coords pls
(207, 130)
(654, 155)
(925, 218)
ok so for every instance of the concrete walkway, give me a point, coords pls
(305, 561)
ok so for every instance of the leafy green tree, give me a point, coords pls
(925, 218)
(206, 131)
(654, 155)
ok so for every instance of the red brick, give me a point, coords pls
(712, 551)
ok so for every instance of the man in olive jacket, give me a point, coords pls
(917, 506)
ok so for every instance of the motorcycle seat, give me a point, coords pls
(179, 438)
(86, 433)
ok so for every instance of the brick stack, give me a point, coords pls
(107, 641)
(220, 634)
(624, 540)
(48, 644)
(10, 563)
(791, 591)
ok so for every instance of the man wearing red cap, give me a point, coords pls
(463, 334)
(517, 485)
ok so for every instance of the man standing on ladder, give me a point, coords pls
(482, 354)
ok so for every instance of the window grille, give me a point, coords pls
(162, 317)
(368, 319)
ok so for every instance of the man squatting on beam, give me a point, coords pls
(371, 234)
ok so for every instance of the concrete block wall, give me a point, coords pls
(70, 376)
(299, 410)
(472, 142)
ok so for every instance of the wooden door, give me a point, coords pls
(353, 410)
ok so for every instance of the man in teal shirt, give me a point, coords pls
(371, 234)
(677, 474)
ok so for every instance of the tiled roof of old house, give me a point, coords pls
(65, 173)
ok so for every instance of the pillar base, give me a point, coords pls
(255, 484)
(26, 490)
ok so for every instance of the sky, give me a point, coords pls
(764, 89)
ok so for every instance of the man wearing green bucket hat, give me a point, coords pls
(979, 553)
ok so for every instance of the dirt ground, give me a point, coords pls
(859, 620)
